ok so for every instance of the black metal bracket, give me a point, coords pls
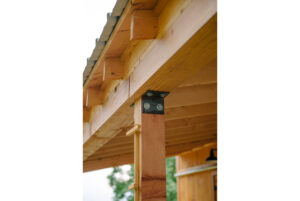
(153, 102)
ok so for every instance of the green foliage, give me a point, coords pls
(171, 179)
(120, 185)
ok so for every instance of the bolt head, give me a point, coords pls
(146, 106)
(159, 107)
(162, 95)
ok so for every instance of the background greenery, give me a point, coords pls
(120, 185)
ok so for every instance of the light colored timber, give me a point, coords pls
(134, 130)
(143, 25)
(207, 75)
(191, 111)
(170, 61)
(145, 4)
(137, 149)
(85, 114)
(113, 69)
(185, 122)
(152, 158)
(191, 95)
(94, 97)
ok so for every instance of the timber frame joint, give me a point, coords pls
(136, 129)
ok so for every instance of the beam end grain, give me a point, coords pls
(94, 97)
(143, 25)
(113, 69)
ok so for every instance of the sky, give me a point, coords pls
(96, 187)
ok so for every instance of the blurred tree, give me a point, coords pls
(171, 179)
(120, 185)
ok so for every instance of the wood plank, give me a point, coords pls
(191, 111)
(185, 122)
(207, 75)
(192, 95)
(143, 25)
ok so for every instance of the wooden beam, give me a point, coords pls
(143, 25)
(113, 69)
(185, 122)
(94, 97)
(85, 114)
(145, 4)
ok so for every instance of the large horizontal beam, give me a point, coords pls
(176, 56)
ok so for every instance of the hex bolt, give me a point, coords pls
(159, 107)
(146, 106)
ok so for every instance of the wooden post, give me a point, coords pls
(149, 155)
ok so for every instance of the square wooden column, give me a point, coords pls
(151, 155)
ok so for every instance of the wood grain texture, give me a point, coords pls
(94, 97)
(143, 25)
(113, 69)
(152, 158)
(197, 186)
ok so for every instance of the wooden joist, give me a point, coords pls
(207, 75)
(143, 25)
(113, 69)
(191, 95)
(191, 111)
(94, 97)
